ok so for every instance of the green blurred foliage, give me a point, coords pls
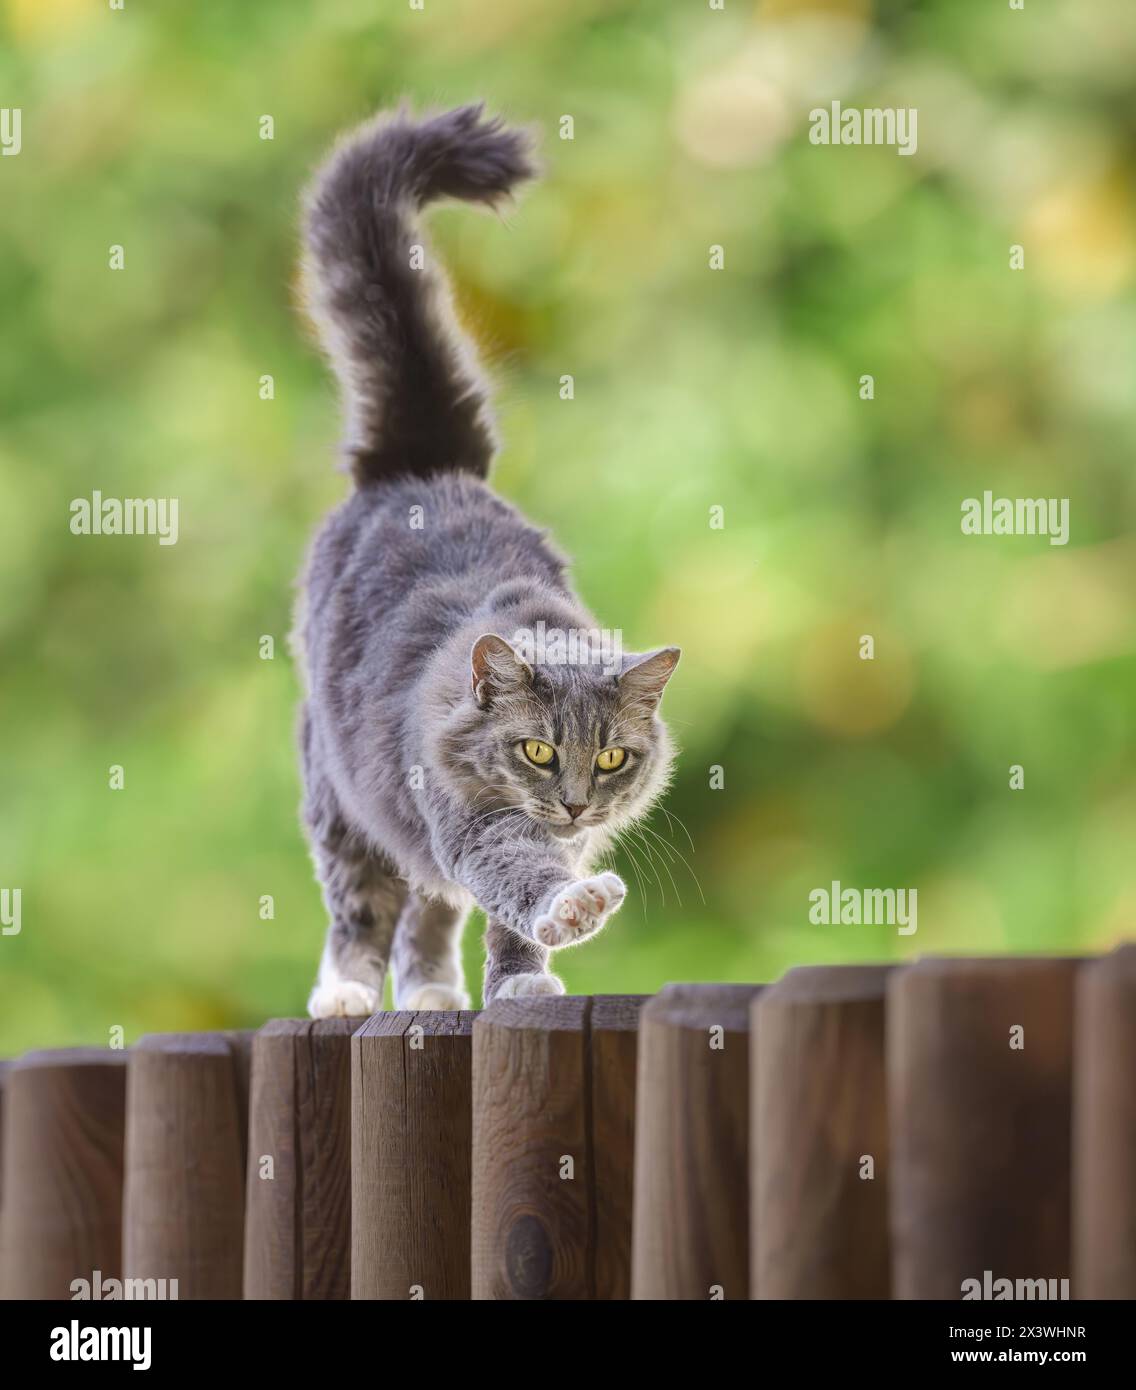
(695, 388)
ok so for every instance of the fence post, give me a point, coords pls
(4, 1065)
(298, 1210)
(553, 1135)
(1104, 1129)
(818, 1136)
(410, 1150)
(62, 1171)
(979, 1104)
(186, 1135)
(691, 1225)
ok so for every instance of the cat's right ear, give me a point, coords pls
(496, 669)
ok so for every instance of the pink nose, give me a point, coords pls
(574, 811)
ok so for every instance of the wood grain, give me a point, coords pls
(553, 1147)
(4, 1065)
(410, 1141)
(614, 1058)
(818, 1091)
(980, 1131)
(1104, 1129)
(184, 1196)
(62, 1171)
(691, 1223)
(298, 1218)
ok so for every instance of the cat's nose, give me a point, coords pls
(573, 811)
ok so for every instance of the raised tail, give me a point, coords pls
(414, 399)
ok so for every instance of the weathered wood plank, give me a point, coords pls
(691, 1222)
(1104, 1129)
(818, 1137)
(410, 1142)
(186, 1144)
(298, 1217)
(62, 1171)
(554, 1083)
(979, 1104)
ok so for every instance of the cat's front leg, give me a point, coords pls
(528, 883)
(515, 966)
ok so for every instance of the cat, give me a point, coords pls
(442, 768)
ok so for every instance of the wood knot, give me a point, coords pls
(528, 1258)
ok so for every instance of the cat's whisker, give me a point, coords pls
(635, 870)
(652, 856)
(666, 866)
(682, 858)
(503, 833)
(681, 823)
(649, 866)
(494, 811)
(490, 788)
(475, 824)
(665, 845)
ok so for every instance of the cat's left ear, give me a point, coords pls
(496, 668)
(642, 679)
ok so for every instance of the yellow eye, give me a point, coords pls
(537, 752)
(610, 759)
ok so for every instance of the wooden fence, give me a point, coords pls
(849, 1132)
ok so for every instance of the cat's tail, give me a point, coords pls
(414, 399)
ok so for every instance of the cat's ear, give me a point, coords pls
(496, 669)
(643, 678)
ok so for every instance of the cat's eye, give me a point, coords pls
(538, 752)
(610, 759)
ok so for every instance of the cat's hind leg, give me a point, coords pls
(426, 959)
(515, 965)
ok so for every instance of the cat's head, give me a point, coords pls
(575, 746)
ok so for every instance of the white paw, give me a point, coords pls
(435, 997)
(580, 910)
(521, 986)
(344, 999)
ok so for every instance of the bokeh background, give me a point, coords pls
(694, 389)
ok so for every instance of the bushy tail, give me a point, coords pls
(414, 399)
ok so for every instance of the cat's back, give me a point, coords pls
(423, 552)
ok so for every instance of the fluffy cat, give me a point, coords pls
(441, 768)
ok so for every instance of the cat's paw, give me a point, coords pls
(580, 910)
(344, 999)
(435, 997)
(525, 986)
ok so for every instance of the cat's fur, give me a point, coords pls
(419, 800)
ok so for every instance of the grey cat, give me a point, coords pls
(441, 767)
